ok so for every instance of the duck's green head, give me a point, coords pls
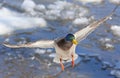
(71, 37)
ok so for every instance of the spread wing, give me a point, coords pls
(82, 34)
(40, 44)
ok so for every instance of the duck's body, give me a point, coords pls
(65, 47)
(64, 50)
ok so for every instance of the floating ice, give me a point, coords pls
(7, 40)
(6, 13)
(52, 55)
(109, 46)
(64, 10)
(105, 40)
(91, 1)
(11, 21)
(49, 50)
(108, 64)
(59, 5)
(116, 70)
(106, 44)
(9, 54)
(10, 24)
(68, 15)
(40, 7)
(115, 2)
(32, 58)
(21, 40)
(5, 29)
(116, 30)
(57, 10)
(28, 5)
(52, 14)
(49, 64)
(40, 51)
(81, 21)
(116, 73)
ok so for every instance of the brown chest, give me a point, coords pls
(64, 45)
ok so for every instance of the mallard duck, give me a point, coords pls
(65, 47)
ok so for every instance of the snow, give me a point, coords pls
(115, 30)
(115, 2)
(11, 21)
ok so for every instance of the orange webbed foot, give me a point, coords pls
(73, 63)
(62, 65)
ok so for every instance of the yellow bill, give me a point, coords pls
(74, 42)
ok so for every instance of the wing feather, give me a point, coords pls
(83, 33)
(40, 44)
